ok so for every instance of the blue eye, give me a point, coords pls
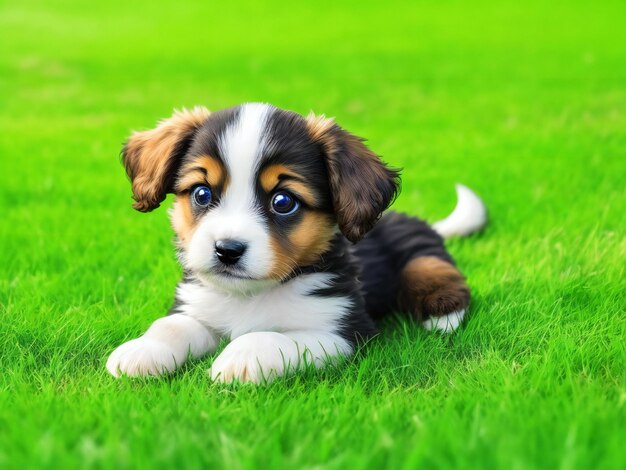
(284, 203)
(201, 196)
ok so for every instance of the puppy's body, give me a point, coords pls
(267, 205)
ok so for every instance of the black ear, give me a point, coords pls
(151, 157)
(363, 186)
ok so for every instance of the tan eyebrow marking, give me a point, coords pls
(203, 169)
(301, 190)
(271, 176)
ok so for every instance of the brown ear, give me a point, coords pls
(151, 157)
(362, 184)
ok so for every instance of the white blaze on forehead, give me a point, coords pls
(237, 215)
(241, 147)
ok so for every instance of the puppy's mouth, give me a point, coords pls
(233, 273)
(233, 280)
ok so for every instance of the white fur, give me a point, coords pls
(163, 348)
(274, 332)
(263, 356)
(236, 217)
(275, 327)
(445, 323)
(285, 307)
(469, 215)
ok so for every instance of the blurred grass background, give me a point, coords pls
(525, 102)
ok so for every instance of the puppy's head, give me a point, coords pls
(260, 192)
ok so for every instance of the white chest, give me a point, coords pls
(288, 307)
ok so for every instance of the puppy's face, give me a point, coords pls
(253, 199)
(260, 192)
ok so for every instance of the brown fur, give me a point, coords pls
(432, 287)
(362, 184)
(202, 170)
(304, 245)
(150, 156)
(183, 220)
(311, 238)
(319, 126)
(270, 177)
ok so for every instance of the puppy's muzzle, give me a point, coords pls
(229, 252)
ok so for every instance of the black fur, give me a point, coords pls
(394, 241)
(356, 325)
(289, 144)
(205, 140)
(368, 272)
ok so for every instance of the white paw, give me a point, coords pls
(445, 323)
(256, 357)
(143, 356)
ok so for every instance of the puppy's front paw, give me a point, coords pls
(142, 356)
(256, 357)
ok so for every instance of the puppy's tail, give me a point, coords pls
(469, 215)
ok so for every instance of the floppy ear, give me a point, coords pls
(151, 157)
(362, 185)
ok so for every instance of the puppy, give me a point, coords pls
(276, 228)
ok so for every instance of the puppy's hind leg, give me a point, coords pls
(434, 292)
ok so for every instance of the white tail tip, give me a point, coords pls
(469, 215)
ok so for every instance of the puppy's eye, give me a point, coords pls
(284, 203)
(201, 196)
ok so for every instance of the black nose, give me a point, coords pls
(229, 251)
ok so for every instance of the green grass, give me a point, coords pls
(524, 102)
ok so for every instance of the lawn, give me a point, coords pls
(525, 102)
